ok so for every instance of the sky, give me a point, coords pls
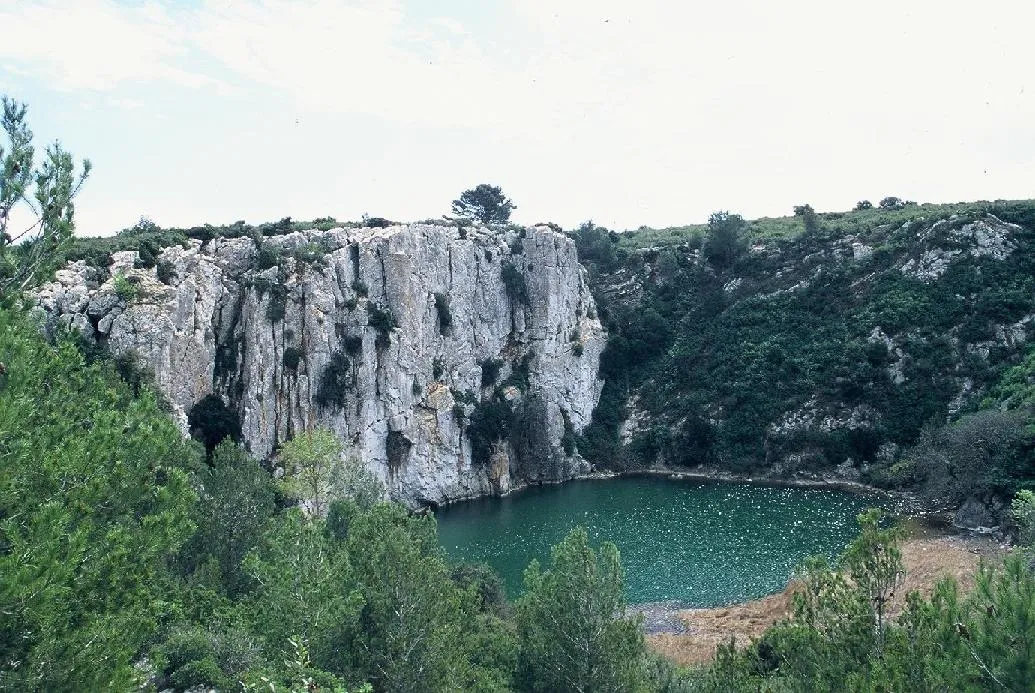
(629, 113)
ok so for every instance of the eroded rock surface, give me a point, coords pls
(404, 316)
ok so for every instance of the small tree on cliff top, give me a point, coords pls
(726, 239)
(486, 203)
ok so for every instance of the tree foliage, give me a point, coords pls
(485, 203)
(45, 193)
(573, 631)
(726, 240)
(313, 469)
(721, 356)
(118, 543)
(95, 501)
(236, 500)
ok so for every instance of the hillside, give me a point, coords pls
(819, 352)
(851, 346)
(142, 560)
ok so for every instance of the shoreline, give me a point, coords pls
(689, 636)
(908, 503)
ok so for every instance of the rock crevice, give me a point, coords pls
(365, 298)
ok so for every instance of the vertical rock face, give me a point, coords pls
(399, 339)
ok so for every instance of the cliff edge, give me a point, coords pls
(453, 363)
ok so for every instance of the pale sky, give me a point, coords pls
(627, 113)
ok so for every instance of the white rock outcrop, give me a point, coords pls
(988, 237)
(262, 340)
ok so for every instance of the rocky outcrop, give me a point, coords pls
(948, 241)
(397, 338)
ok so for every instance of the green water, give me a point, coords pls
(701, 544)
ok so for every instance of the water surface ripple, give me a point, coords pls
(697, 543)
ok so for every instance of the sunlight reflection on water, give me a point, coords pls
(702, 544)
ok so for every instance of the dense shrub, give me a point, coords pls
(514, 280)
(573, 629)
(147, 254)
(491, 422)
(276, 309)
(984, 454)
(490, 371)
(165, 271)
(726, 240)
(568, 438)
(383, 322)
(376, 222)
(352, 344)
(124, 288)
(97, 502)
(267, 257)
(335, 381)
(796, 324)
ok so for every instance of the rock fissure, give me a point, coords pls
(209, 332)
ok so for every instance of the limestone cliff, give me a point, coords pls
(393, 337)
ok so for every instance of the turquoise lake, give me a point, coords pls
(697, 543)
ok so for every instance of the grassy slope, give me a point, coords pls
(769, 229)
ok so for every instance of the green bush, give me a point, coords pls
(202, 672)
(573, 629)
(514, 281)
(147, 254)
(97, 502)
(486, 583)
(165, 271)
(267, 257)
(187, 659)
(335, 381)
(276, 309)
(726, 240)
(124, 288)
(376, 222)
(383, 322)
(490, 423)
(568, 439)
(211, 421)
(353, 344)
